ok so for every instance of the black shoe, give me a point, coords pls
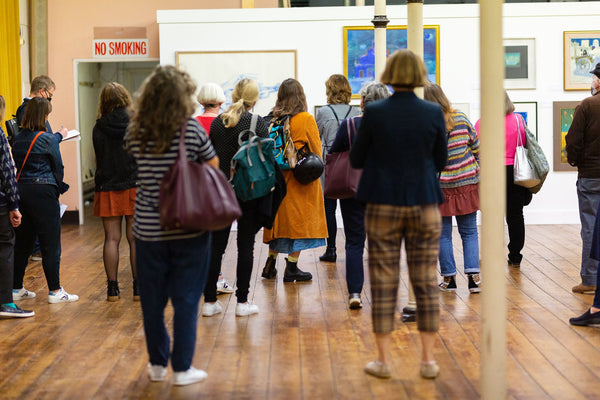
(269, 271)
(136, 291)
(448, 284)
(7, 311)
(293, 273)
(586, 319)
(329, 255)
(112, 291)
(474, 283)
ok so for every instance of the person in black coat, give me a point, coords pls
(115, 180)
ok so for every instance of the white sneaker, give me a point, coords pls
(243, 309)
(188, 377)
(223, 287)
(157, 373)
(61, 297)
(210, 309)
(22, 294)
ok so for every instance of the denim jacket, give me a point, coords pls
(44, 164)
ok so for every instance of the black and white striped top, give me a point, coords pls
(151, 168)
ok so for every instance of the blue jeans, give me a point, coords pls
(353, 214)
(174, 269)
(588, 196)
(467, 227)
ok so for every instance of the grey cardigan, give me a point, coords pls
(328, 125)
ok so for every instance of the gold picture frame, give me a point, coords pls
(562, 115)
(580, 57)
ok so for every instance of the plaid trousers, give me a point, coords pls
(387, 226)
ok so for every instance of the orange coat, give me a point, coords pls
(301, 214)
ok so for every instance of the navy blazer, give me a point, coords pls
(401, 147)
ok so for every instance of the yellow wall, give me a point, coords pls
(70, 33)
(10, 68)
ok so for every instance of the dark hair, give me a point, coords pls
(290, 99)
(163, 104)
(338, 89)
(113, 96)
(41, 82)
(36, 111)
(404, 69)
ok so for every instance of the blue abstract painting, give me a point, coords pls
(359, 52)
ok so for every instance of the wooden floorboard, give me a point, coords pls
(305, 343)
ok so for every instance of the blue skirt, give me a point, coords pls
(288, 246)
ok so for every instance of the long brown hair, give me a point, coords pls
(163, 105)
(434, 93)
(113, 96)
(36, 111)
(290, 99)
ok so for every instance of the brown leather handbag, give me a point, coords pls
(195, 196)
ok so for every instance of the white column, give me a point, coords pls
(492, 200)
(380, 21)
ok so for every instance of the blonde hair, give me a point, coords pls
(404, 69)
(211, 95)
(338, 89)
(509, 107)
(244, 96)
(434, 93)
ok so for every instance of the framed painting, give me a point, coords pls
(226, 68)
(528, 110)
(519, 63)
(562, 115)
(359, 52)
(581, 55)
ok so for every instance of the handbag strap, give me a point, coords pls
(351, 132)
(27, 155)
(519, 140)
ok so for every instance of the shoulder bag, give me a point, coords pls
(524, 173)
(537, 158)
(341, 180)
(195, 196)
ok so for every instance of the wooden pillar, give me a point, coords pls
(493, 199)
(38, 37)
(380, 22)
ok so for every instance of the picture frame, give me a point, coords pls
(562, 116)
(529, 111)
(267, 67)
(519, 63)
(359, 57)
(580, 57)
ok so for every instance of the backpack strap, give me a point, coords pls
(27, 155)
(348, 113)
(252, 129)
(336, 116)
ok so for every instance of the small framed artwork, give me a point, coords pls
(359, 52)
(562, 115)
(519, 63)
(528, 110)
(580, 57)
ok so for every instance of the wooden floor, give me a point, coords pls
(304, 343)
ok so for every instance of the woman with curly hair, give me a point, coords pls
(170, 264)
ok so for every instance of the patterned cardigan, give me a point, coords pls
(463, 154)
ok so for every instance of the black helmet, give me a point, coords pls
(309, 167)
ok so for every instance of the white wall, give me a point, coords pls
(316, 34)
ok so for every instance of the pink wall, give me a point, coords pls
(70, 33)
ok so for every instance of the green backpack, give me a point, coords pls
(253, 165)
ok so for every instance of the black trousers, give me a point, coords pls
(516, 197)
(7, 246)
(330, 207)
(248, 226)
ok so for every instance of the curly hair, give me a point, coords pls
(113, 96)
(290, 99)
(338, 89)
(162, 105)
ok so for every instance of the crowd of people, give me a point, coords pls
(420, 168)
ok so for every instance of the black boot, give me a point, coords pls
(269, 271)
(112, 290)
(136, 292)
(293, 273)
(329, 255)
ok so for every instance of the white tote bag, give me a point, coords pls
(524, 173)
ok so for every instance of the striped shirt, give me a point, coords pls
(463, 154)
(151, 168)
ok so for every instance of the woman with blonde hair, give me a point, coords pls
(171, 264)
(225, 132)
(300, 221)
(329, 119)
(401, 147)
(460, 184)
(211, 97)
(115, 179)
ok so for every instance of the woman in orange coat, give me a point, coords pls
(300, 221)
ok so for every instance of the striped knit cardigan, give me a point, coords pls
(463, 154)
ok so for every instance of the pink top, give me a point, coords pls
(205, 121)
(510, 123)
